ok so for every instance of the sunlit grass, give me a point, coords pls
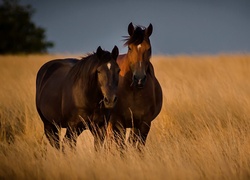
(202, 131)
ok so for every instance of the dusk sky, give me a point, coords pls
(180, 26)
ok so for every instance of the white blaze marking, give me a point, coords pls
(139, 46)
(109, 65)
(140, 63)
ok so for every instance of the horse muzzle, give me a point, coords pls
(110, 102)
(139, 81)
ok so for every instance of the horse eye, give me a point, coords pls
(129, 48)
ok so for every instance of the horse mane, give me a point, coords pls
(85, 68)
(137, 37)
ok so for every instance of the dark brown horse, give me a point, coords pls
(139, 92)
(77, 94)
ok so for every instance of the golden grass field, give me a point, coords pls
(202, 132)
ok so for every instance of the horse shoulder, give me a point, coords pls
(158, 97)
(123, 64)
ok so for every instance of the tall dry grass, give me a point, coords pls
(202, 132)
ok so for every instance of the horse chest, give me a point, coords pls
(138, 104)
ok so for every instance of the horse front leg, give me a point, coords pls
(119, 133)
(99, 136)
(139, 136)
(116, 133)
(52, 134)
(133, 137)
(72, 134)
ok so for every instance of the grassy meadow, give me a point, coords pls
(202, 132)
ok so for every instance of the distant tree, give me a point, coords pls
(18, 34)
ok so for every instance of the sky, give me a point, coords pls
(179, 26)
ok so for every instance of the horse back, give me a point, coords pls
(46, 71)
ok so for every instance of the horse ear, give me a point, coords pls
(149, 30)
(99, 52)
(115, 52)
(131, 29)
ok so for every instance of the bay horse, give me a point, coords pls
(77, 94)
(139, 92)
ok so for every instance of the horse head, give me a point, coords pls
(139, 53)
(108, 76)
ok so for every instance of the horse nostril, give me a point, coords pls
(115, 99)
(106, 100)
(144, 78)
(134, 78)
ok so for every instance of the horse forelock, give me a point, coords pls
(137, 37)
(105, 58)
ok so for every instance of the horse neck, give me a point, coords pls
(86, 96)
(89, 86)
(86, 86)
(123, 62)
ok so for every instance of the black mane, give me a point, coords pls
(86, 67)
(137, 37)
